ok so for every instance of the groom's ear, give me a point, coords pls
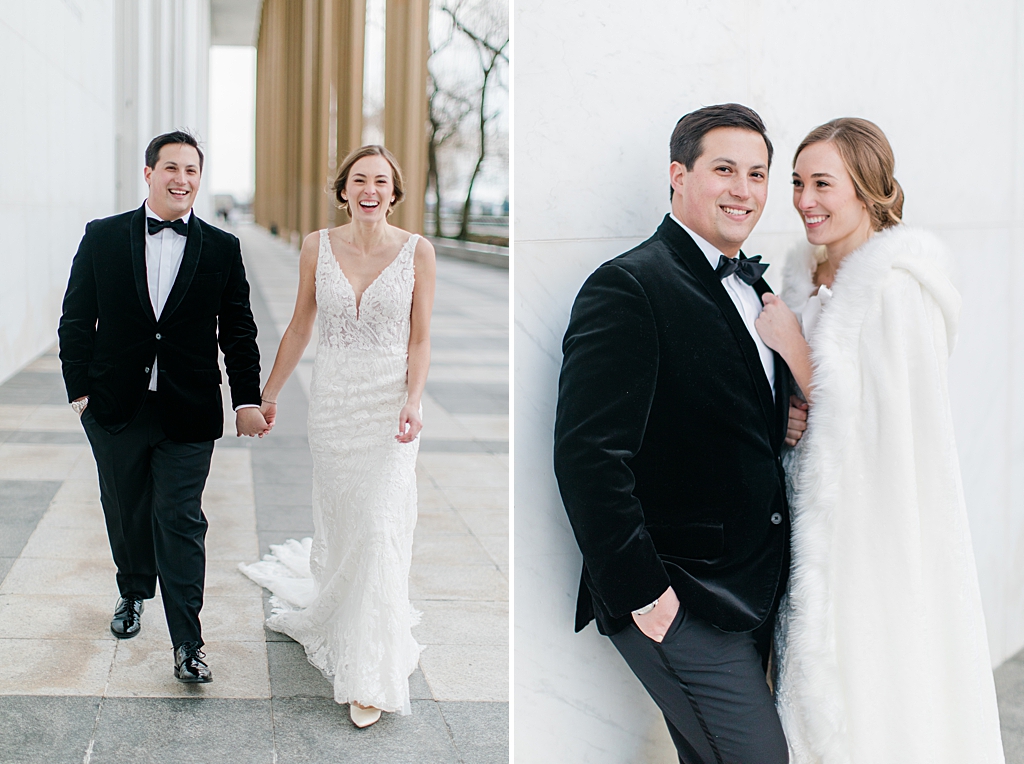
(676, 175)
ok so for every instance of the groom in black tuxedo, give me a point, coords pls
(152, 294)
(671, 415)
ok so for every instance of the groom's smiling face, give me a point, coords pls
(174, 180)
(722, 197)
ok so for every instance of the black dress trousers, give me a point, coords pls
(151, 490)
(710, 686)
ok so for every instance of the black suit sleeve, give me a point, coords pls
(77, 328)
(237, 335)
(605, 391)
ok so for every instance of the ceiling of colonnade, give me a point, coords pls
(235, 22)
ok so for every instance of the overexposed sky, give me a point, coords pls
(230, 151)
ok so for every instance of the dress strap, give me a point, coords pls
(409, 248)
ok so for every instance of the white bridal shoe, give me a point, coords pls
(363, 717)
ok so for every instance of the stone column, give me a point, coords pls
(405, 103)
(308, 108)
(312, 164)
(346, 27)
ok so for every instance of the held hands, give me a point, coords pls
(409, 423)
(655, 624)
(777, 325)
(249, 421)
(797, 420)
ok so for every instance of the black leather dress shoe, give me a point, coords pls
(188, 664)
(127, 620)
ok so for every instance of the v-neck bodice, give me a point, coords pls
(379, 321)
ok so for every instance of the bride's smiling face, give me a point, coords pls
(370, 189)
(825, 197)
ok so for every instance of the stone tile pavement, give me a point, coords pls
(70, 692)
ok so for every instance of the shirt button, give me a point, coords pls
(147, 370)
(158, 335)
(776, 518)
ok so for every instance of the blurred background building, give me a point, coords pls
(598, 91)
(277, 91)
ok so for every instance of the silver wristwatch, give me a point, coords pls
(79, 406)
(646, 608)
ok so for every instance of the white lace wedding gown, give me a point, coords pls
(344, 595)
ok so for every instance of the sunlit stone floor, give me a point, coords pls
(71, 692)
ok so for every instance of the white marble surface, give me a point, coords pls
(598, 90)
(57, 155)
(84, 87)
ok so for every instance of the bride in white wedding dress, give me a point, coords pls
(344, 595)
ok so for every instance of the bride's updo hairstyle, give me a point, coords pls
(868, 158)
(371, 150)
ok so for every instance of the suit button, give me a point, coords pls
(776, 518)
(147, 370)
(158, 335)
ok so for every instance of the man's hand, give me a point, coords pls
(797, 421)
(249, 421)
(655, 624)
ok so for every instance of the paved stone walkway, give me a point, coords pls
(70, 692)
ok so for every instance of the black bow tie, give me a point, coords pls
(748, 269)
(179, 226)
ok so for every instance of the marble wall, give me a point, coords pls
(84, 86)
(56, 158)
(598, 88)
(161, 84)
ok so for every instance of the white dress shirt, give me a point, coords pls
(164, 251)
(743, 297)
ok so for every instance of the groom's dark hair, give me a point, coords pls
(687, 143)
(178, 136)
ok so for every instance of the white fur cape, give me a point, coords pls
(881, 649)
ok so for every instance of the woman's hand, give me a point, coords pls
(778, 326)
(797, 420)
(409, 423)
(269, 411)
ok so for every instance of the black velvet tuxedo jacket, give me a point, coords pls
(109, 334)
(667, 443)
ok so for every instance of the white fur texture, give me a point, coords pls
(881, 649)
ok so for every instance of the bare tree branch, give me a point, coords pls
(482, 42)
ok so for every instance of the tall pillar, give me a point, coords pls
(405, 103)
(308, 108)
(312, 158)
(348, 33)
(293, 118)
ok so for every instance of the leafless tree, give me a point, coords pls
(448, 109)
(484, 25)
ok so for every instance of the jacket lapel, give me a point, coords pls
(189, 263)
(137, 236)
(687, 250)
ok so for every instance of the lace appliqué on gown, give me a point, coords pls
(344, 595)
